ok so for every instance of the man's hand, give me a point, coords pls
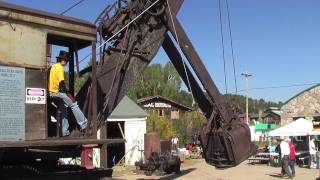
(62, 87)
(71, 97)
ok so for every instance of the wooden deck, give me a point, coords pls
(253, 160)
(57, 142)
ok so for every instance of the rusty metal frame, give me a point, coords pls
(225, 139)
(173, 54)
(199, 68)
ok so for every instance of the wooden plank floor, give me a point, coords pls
(57, 142)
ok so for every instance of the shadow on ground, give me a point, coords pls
(176, 175)
(172, 176)
(276, 175)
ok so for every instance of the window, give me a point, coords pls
(161, 112)
(316, 123)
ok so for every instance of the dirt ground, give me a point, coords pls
(198, 169)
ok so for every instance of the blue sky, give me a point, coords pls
(277, 41)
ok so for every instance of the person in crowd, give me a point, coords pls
(313, 151)
(285, 158)
(57, 89)
(190, 147)
(175, 142)
(292, 161)
(278, 150)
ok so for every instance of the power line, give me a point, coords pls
(71, 7)
(283, 86)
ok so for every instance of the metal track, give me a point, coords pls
(60, 172)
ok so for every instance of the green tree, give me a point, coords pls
(160, 80)
(79, 81)
(188, 125)
(161, 124)
(254, 104)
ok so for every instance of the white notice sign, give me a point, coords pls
(158, 104)
(35, 96)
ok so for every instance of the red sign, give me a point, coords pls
(35, 92)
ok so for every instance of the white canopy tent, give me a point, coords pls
(300, 127)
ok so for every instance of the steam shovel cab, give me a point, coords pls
(27, 132)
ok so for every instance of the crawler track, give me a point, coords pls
(64, 172)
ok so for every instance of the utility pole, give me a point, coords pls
(247, 75)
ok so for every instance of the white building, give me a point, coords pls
(132, 120)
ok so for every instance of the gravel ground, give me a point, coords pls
(198, 169)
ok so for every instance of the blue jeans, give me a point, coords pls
(80, 118)
(291, 164)
(285, 166)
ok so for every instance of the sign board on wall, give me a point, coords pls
(35, 96)
(12, 103)
(158, 105)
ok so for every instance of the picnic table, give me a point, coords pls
(273, 158)
(262, 157)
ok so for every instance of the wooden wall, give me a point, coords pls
(35, 113)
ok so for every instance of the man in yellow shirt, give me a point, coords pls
(57, 89)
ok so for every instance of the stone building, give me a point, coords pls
(306, 105)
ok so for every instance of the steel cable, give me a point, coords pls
(222, 44)
(177, 38)
(232, 49)
(71, 7)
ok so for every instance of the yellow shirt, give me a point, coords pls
(55, 77)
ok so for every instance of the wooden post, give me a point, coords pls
(76, 56)
(94, 92)
(247, 75)
(103, 149)
(48, 55)
(71, 70)
(120, 128)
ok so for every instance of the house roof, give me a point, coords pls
(277, 112)
(300, 93)
(273, 108)
(256, 115)
(263, 115)
(61, 30)
(149, 99)
(36, 12)
(127, 109)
